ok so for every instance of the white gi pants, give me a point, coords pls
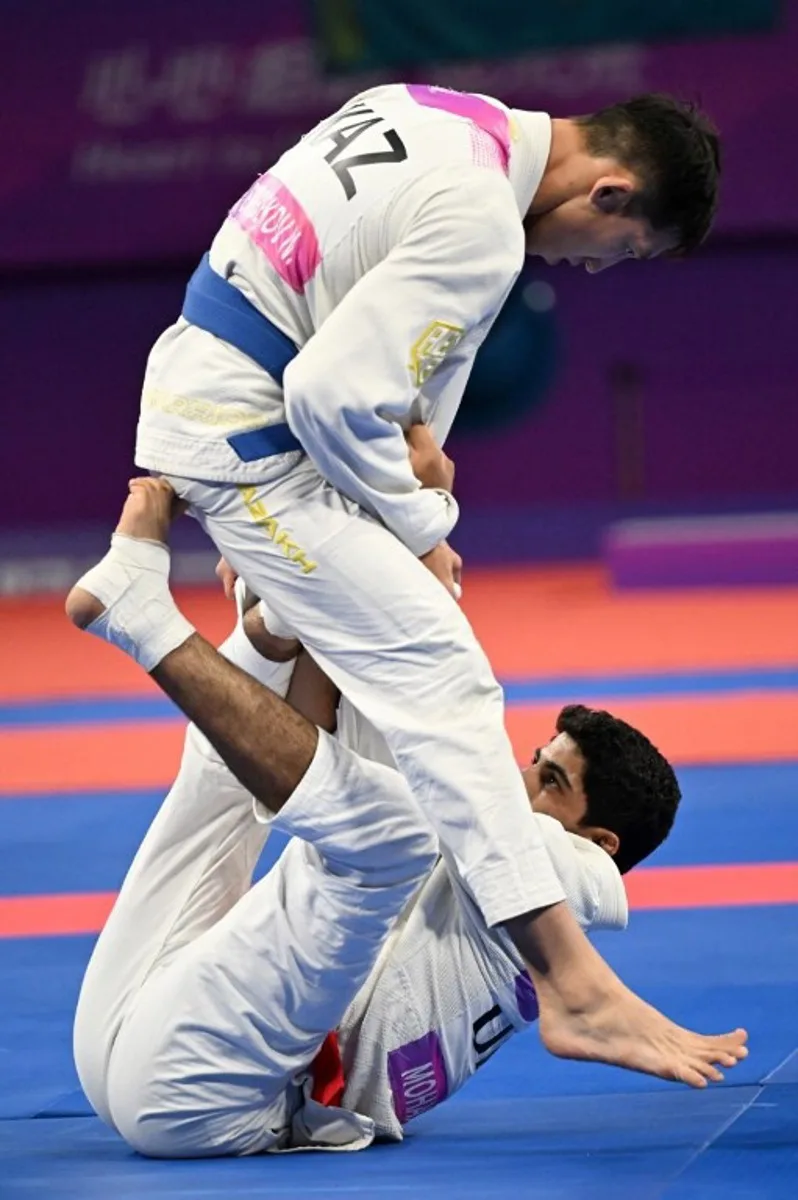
(206, 999)
(399, 648)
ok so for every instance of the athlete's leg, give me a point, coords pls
(208, 1059)
(203, 1060)
(398, 647)
(194, 864)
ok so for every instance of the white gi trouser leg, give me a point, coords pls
(399, 648)
(206, 998)
(194, 863)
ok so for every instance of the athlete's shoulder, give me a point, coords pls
(470, 105)
(592, 883)
(473, 207)
(610, 902)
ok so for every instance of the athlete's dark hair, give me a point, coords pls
(674, 150)
(631, 788)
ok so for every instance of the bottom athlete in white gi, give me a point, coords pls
(208, 999)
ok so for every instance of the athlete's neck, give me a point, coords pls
(567, 168)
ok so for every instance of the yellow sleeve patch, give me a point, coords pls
(430, 349)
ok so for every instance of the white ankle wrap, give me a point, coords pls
(140, 617)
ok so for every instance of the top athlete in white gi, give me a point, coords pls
(343, 300)
(207, 999)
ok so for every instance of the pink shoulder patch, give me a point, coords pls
(485, 116)
(280, 227)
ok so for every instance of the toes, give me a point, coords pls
(699, 1074)
(726, 1056)
(691, 1077)
(730, 1044)
(730, 1058)
(151, 483)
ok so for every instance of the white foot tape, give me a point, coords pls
(140, 617)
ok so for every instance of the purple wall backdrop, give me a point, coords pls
(714, 412)
(707, 348)
(713, 415)
(127, 129)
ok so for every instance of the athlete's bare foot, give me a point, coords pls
(587, 1013)
(622, 1030)
(149, 510)
(147, 513)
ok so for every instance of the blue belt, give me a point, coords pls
(213, 304)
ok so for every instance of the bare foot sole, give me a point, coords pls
(622, 1030)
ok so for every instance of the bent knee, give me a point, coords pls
(166, 1119)
(92, 1042)
(171, 1098)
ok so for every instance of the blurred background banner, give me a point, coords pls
(368, 33)
(129, 129)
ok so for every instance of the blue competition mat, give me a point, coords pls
(527, 1125)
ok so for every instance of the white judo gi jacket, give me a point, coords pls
(383, 245)
(447, 991)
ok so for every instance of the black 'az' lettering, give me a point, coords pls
(342, 138)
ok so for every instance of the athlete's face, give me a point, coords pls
(595, 230)
(555, 786)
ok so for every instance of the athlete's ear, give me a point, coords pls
(611, 194)
(609, 841)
